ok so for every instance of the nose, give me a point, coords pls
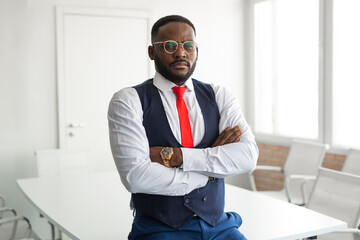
(180, 53)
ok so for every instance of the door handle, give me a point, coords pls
(76, 125)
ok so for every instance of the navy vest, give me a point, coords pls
(206, 202)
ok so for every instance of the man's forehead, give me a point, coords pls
(175, 29)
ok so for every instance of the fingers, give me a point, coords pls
(155, 154)
(234, 135)
(221, 137)
(228, 132)
(229, 135)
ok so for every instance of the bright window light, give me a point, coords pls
(286, 67)
(346, 73)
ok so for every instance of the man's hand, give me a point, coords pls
(229, 135)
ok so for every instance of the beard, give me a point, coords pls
(166, 73)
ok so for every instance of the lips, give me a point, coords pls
(180, 64)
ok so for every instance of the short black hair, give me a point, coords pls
(171, 18)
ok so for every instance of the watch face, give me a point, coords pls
(166, 151)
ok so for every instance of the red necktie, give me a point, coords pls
(186, 137)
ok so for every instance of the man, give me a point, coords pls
(165, 140)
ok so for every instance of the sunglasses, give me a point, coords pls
(170, 46)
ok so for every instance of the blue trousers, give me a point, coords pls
(146, 228)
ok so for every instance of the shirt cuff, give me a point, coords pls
(193, 159)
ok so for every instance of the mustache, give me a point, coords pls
(178, 61)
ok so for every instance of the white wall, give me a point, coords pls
(28, 100)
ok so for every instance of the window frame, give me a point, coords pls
(325, 77)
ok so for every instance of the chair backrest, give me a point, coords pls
(241, 180)
(11, 225)
(2, 201)
(304, 158)
(352, 162)
(15, 227)
(52, 162)
(2, 204)
(337, 194)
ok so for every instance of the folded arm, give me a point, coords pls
(138, 165)
(233, 152)
(130, 149)
(228, 159)
(229, 135)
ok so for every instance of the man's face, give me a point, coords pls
(178, 66)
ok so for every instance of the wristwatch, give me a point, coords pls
(166, 154)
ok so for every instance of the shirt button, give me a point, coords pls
(187, 200)
(204, 199)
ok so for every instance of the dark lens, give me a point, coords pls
(170, 46)
(189, 46)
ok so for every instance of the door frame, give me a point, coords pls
(60, 13)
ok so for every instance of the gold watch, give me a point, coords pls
(166, 154)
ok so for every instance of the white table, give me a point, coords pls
(96, 206)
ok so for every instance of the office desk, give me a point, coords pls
(96, 206)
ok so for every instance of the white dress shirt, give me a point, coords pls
(130, 146)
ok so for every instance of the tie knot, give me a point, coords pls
(179, 91)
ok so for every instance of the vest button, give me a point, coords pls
(187, 200)
(204, 199)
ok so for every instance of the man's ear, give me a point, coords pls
(151, 52)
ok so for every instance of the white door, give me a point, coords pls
(99, 52)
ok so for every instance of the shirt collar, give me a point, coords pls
(163, 84)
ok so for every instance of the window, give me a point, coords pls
(346, 73)
(304, 71)
(286, 67)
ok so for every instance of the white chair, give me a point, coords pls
(337, 194)
(13, 226)
(242, 180)
(2, 203)
(300, 171)
(54, 162)
(352, 162)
